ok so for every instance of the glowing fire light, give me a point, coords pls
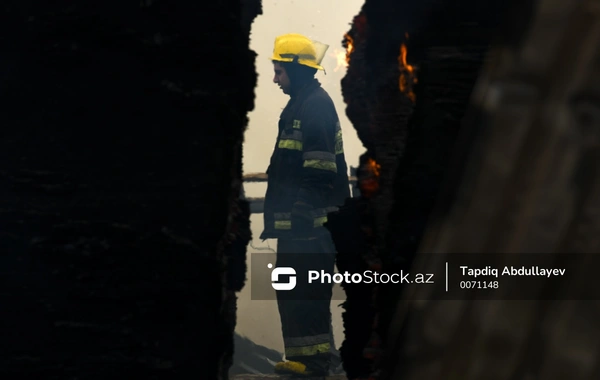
(374, 167)
(407, 74)
(349, 47)
(370, 184)
(340, 56)
(343, 57)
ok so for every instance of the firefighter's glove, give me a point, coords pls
(302, 220)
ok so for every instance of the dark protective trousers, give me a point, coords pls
(305, 311)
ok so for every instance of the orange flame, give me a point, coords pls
(343, 57)
(402, 59)
(349, 47)
(373, 167)
(370, 184)
(407, 74)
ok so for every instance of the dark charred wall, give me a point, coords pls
(410, 130)
(527, 184)
(496, 151)
(120, 162)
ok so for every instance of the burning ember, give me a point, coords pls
(349, 47)
(373, 167)
(343, 57)
(369, 184)
(407, 74)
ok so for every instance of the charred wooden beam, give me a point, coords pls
(257, 204)
(255, 177)
(263, 177)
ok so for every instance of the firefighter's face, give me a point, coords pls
(281, 78)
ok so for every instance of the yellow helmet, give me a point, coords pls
(309, 53)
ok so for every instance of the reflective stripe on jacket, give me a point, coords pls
(308, 163)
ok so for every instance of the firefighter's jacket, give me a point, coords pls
(307, 166)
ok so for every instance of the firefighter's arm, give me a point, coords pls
(318, 152)
(319, 163)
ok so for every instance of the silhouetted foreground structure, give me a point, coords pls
(525, 178)
(113, 243)
(413, 66)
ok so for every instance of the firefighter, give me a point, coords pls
(307, 179)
